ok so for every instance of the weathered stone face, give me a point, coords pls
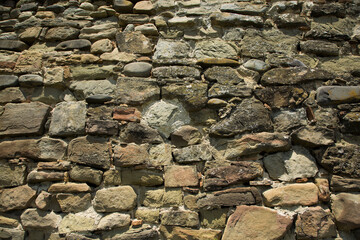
(114, 199)
(16, 198)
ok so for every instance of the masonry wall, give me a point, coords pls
(194, 119)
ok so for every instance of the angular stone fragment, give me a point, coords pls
(291, 195)
(335, 9)
(230, 197)
(133, 42)
(182, 72)
(286, 121)
(290, 20)
(138, 69)
(29, 62)
(235, 20)
(99, 31)
(116, 56)
(148, 215)
(342, 160)
(351, 123)
(281, 96)
(345, 207)
(32, 120)
(291, 76)
(169, 49)
(44, 176)
(142, 177)
(214, 48)
(81, 44)
(288, 166)
(139, 134)
(128, 114)
(341, 184)
(144, 232)
(244, 8)
(338, 30)
(91, 72)
(160, 155)
(315, 223)
(185, 136)
(166, 116)
(249, 115)
(228, 91)
(193, 95)
(114, 220)
(319, 48)
(253, 222)
(88, 88)
(51, 149)
(61, 34)
(8, 81)
(69, 188)
(179, 218)
(16, 198)
(130, 155)
(30, 80)
(223, 75)
(136, 91)
(180, 176)
(310, 136)
(328, 95)
(114, 199)
(252, 144)
(86, 174)
(13, 45)
(11, 175)
(219, 177)
(102, 127)
(153, 198)
(91, 151)
(73, 202)
(37, 219)
(148, 29)
(68, 119)
(194, 153)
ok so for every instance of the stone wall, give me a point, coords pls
(193, 119)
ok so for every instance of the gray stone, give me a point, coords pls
(160, 155)
(61, 34)
(235, 20)
(223, 75)
(54, 77)
(114, 220)
(86, 174)
(91, 151)
(88, 88)
(310, 136)
(98, 99)
(288, 166)
(13, 45)
(138, 69)
(256, 65)
(230, 197)
(11, 233)
(291, 76)
(139, 133)
(99, 31)
(102, 127)
(166, 116)
(52, 149)
(11, 95)
(327, 95)
(331, 30)
(244, 8)
(147, 29)
(319, 48)
(127, 19)
(249, 115)
(185, 136)
(169, 49)
(32, 120)
(30, 80)
(37, 219)
(290, 20)
(68, 119)
(215, 48)
(194, 153)
(11, 175)
(81, 44)
(16, 198)
(285, 121)
(102, 46)
(182, 72)
(114, 199)
(133, 42)
(258, 223)
(179, 218)
(136, 91)
(8, 81)
(226, 91)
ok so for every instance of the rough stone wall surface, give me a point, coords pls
(186, 119)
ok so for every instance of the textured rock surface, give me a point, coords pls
(16, 198)
(253, 222)
(180, 176)
(346, 210)
(115, 199)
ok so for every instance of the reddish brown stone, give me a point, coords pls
(181, 176)
(130, 155)
(10, 65)
(128, 114)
